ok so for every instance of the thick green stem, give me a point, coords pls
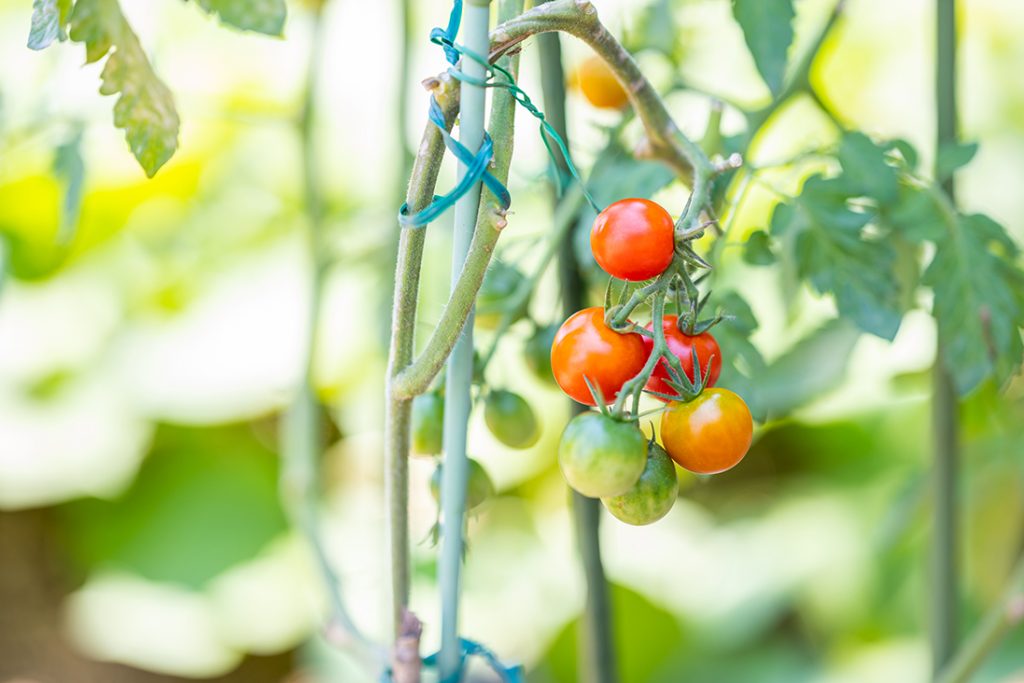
(945, 413)
(459, 379)
(423, 180)
(596, 645)
(1004, 616)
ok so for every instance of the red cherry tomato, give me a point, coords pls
(633, 239)
(681, 345)
(710, 434)
(585, 347)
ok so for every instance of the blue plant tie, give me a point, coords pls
(470, 648)
(476, 165)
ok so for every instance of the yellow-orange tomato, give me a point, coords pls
(584, 347)
(599, 85)
(710, 434)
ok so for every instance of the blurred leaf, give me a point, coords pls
(979, 300)
(658, 29)
(757, 250)
(779, 661)
(741, 361)
(49, 17)
(865, 171)
(814, 366)
(262, 16)
(827, 243)
(915, 215)
(69, 167)
(645, 636)
(204, 500)
(952, 156)
(145, 108)
(768, 29)
(905, 150)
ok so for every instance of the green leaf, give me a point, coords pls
(768, 29)
(814, 366)
(905, 150)
(145, 108)
(262, 16)
(69, 167)
(979, 300)
(915, 216)
(204, 501)
(757, 250)
(49, 17)
(952, 156)
(657, 29)
(741, 361)
(865, 171)
(826, 241)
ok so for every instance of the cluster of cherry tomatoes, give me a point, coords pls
(606, 456)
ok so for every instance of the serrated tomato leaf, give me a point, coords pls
(261, 16)
(865, 170)
(826, 241)
(768, 30)
(145, 108)
(49, 18)
(979, 300)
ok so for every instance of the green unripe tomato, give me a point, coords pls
(427, 423)
(537, 352)
(510, 419)
(479, 487)
(601, 456)
(654, 493)
(500, 282)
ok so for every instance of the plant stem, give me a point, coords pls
(422, 181)
(457, 401)
(1004, 616)
(596, 645)
(945, 413)
(301, 433)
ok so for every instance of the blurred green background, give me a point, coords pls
(150, 339)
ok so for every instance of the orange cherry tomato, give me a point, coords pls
(585, 347)
(710, 434)
(633, 239)
(599, 85)
(681, 345)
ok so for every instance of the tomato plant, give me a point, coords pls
(682, 346)
(709, 434)
(652, 496)
(510, 419)
(633, 239)
(601, 456)
(585, 348)
(537, 351)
